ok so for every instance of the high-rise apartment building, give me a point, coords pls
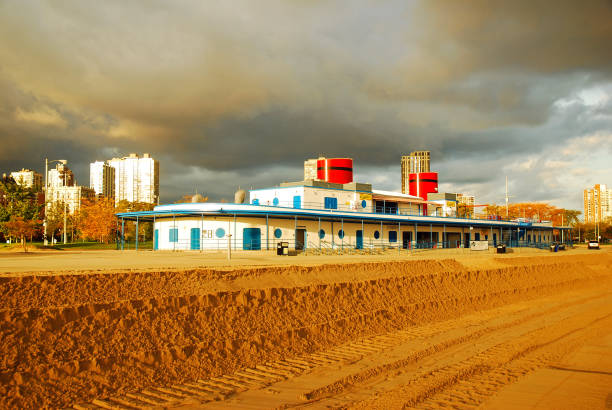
(28, 178)
(102, 179)
(136, 178)
(60, 176)
(414, 163)
(597, 204)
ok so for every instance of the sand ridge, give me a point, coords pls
(72, 338)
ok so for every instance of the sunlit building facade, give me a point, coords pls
(28, 178)
(597, 204)
(136, 178)
(102, 179)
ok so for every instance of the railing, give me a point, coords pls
(322, 246)
(384, 210)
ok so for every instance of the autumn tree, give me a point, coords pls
(96, 219)
(18, 227)
(145, 229)
(18, 201)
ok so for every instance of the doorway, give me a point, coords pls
(300, 239)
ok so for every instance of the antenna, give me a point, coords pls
(507, 196)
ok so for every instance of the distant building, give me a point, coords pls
(28, 178)
(136, 179)
(60, 176)
(102, 179)
(414, 163)
(310, 170)
(469, 202)
(597, 204)
(72, 196)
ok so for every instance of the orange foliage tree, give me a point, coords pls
(21, 228)
(540, 211)
(96, 219)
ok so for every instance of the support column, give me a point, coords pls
(381, 236)
(415, 236)
(122, 232)
(431, 235)
(154, 241)
(319, 234)
(267, 233)
(136, 232)
(176, 237)
(295, 232)
(235, 232)
(444, 236)
(342, 239)
(202, 232)
(400, 239)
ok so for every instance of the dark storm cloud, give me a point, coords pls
(246, 90)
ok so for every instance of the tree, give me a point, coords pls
(145, 229)
(96, 219)
(19, 228)
(18, 201)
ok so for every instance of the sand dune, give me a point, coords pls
(73, 338)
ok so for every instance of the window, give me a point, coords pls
(278, 233)
(255, 202)
(331, 203)
(297, 202)
(392, 236)
(173, 235)
(364, 203)
(275, 202)
(321, 234)
(341, 234)
(220, 233)
(376, 234)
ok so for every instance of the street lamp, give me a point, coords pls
(61, 161)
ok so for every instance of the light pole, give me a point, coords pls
(62, 161)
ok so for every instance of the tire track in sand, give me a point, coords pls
(227, 386)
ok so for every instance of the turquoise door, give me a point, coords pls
(359, 241)
(297, 201)
(156, 240)
(251, 239)
(195, 238)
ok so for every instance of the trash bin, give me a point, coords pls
(501, 248)
(562, 247)
(282, 248)
(554, 248)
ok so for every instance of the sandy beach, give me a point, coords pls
(108, 329)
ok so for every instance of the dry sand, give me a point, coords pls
(422, 330)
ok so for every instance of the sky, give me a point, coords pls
(239, 93)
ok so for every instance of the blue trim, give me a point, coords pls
(173, 235)
(366, 216)
(341, 234)
(321, 233)
(278, 233)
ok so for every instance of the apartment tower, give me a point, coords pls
(597, 204)
(415, 163)
(102, 179)
(136, 178)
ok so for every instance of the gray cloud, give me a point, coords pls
(241, 93)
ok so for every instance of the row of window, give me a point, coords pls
(173, 234)
(328, 202)
(278, 233)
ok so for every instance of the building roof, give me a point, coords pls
(396, 196)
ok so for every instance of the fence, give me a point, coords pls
(316, 246)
